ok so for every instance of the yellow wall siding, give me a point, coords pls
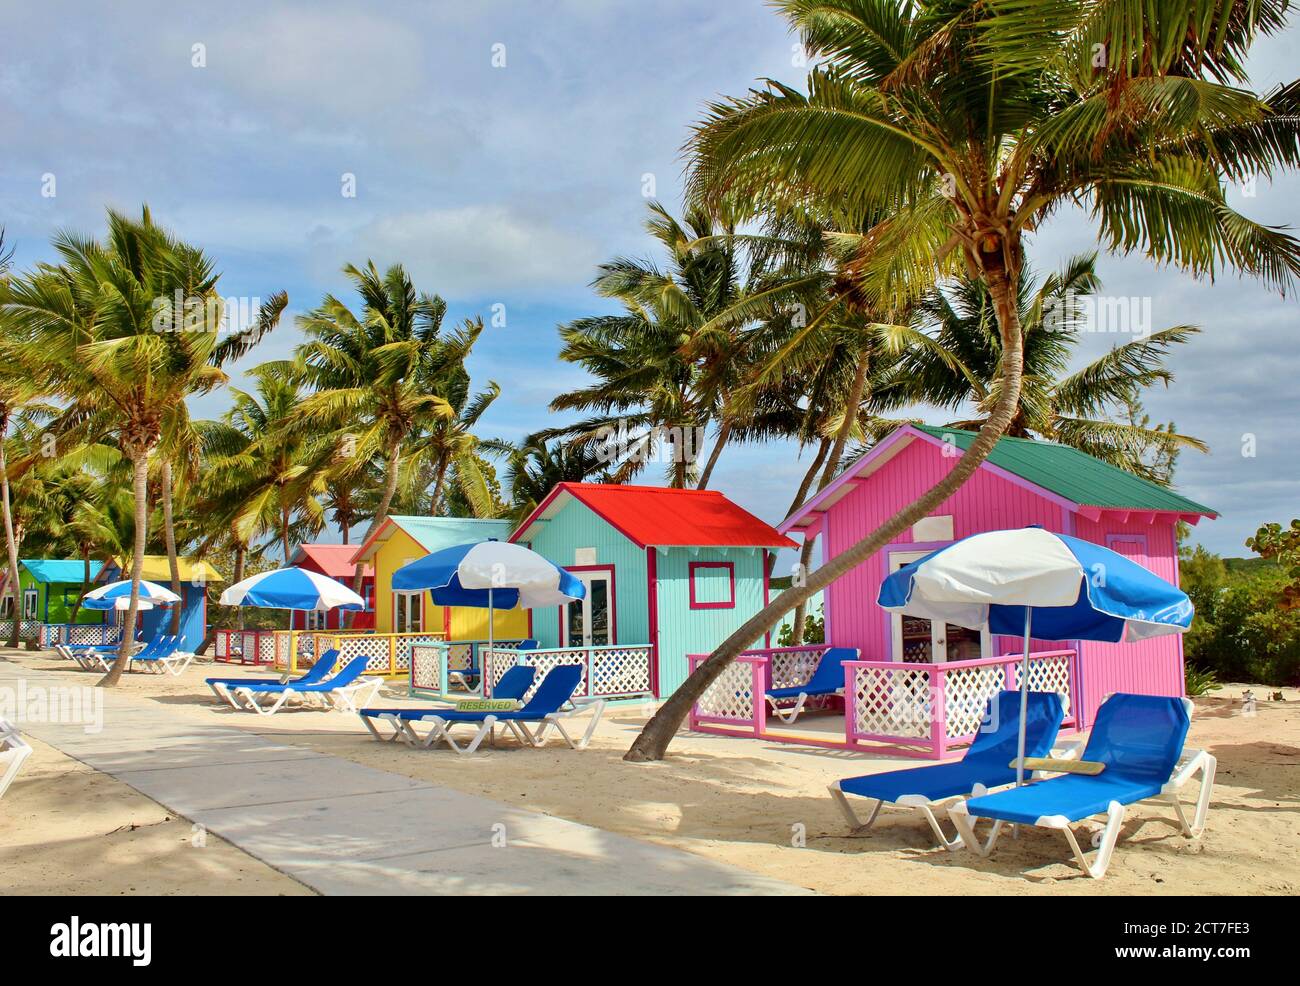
(466, 623)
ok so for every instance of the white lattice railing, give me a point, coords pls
(387, 654)
(931, 708)
(611, 671)
(431, 663)
(915, 709)
(245, 646)
(27, 629)
(105, 634)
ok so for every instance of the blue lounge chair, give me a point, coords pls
(222, 687)
(167, 657)
(544, 709)
(342, 691)
(984, 767)
(1138, 741)
(102, 658)
(514, 684)
(827, 680)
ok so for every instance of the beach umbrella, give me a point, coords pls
(490, 574)
(1027, 580)
(117, 595)
(291, 588)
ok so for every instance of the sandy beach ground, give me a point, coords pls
(762, 806)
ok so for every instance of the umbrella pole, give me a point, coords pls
(1024, 701)
(482, 683)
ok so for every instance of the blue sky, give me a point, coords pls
(507, 183)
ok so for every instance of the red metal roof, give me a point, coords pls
(334, 560)
(655, 515)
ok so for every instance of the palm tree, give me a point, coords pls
(968, 124)
(536, 465)
(658, 378)
(16, 388)
(275, 471)
(447, 447)
(955, 365)
(120, 354)
(376, 376)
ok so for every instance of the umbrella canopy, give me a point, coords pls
(1033, 580)
(1077, 590)
(291, 588)
(117, 595)
(495, 574)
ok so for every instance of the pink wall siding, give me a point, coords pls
(988, 501)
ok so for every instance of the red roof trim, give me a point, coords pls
(734, 527)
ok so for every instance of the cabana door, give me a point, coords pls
(921, 641)
(588, 622)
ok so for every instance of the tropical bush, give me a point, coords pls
(1240, 633)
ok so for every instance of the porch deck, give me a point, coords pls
(928, 711)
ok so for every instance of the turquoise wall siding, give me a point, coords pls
(576, 527)
(683, 630)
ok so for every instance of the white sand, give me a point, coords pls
(737, 800)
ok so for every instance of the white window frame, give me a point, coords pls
(31, 600)
(412, 615)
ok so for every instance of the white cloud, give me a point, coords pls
(474, 251)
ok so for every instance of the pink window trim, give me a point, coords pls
(731, 579)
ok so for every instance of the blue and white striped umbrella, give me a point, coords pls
(291, 588)
(1031, 580)
(496, 574)
(117, 595)
(1077, 590)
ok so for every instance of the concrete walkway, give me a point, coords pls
(343, 828)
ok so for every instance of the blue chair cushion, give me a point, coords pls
(988, 759)
(1076, 796)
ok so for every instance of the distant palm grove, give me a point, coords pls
(849, 256)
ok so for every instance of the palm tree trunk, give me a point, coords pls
(140, 487)
(653, 740)
(719, 444)
(440, 477)
(85, 583)
(240, 551)
(10, 542)
(852, 408)
(284, 534)
(801, 494)
(169, 535)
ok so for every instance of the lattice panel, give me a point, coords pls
(731, 696)
(375, 648)
(402, 649)
(460, 656)
(426, 667)
(620, 671)
(1048, 674)
(93, 634)
(544, 661)
(892, 701)
(27, 629)
(966, 694)
(793, 668)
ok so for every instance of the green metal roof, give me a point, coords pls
(60, 569)
(435, 533)
(1075, 475)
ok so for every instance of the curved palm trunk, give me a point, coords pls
(439, 480)
(169, 535)
(240, 551)
(11, 543)
(723, 434)
(140, 487)
(85, 583)
(662, 727)
(823, 447)
(852, 408)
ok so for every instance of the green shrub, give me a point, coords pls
(1198, 682)
(814, 630)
